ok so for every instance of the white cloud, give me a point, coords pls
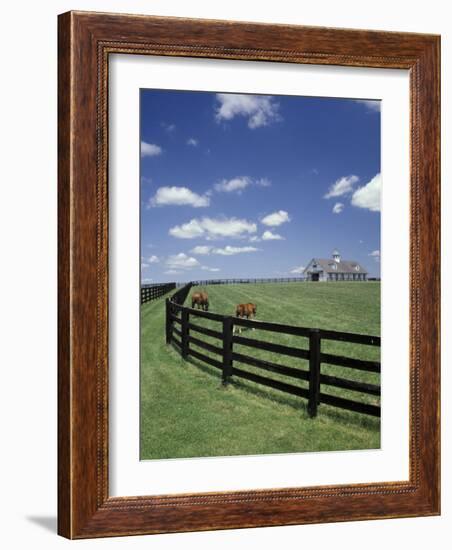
(371, 104)
(188, 230)
(235, 184)
(232, 250)
(342, 186)
(269, 236)
(193, 142)
(254, 239)
(146, 280)
(168, 127)
(178, 196)
(338, 207)
(150, 149)
(276, 218)
(181, 261)
(297, 270)
(225, 251)
(153, 259)
(259, 110)
(201, 250)
(210, 228)
(172, 272)
(368, 196)
(375, 255)
(212, 269)
(263, 182)
(239, 183)
(144, 265)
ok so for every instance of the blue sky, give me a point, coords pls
(239, 185)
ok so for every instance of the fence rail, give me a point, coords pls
(187, 336)
(152, 292)
(248, 281)
(207, 282)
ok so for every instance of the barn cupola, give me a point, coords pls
(336, 256)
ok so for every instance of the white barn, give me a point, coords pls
(334, 269)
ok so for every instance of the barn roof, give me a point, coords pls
(344, 266)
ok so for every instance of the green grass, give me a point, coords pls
(186, 412)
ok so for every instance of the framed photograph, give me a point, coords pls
(248, 275)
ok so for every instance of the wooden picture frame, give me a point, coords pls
(85, 42)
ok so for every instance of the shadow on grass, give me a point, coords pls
(297, 404)
(294, 403)
(243, 385)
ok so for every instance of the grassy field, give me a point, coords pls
(186, 412)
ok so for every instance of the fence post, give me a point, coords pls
(184, 330)
(169, 322)
(314, 371)
(227, 350)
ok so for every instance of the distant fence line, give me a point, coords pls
(176, 285)
(248, 281)
(152, 292)
(261, 280)
(207, 282)
(183, 338)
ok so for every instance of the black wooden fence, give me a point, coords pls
(251, 281)
(184, 334)
(180, 296)
(152, 292)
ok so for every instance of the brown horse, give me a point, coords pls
(200, 299)
(245, 310)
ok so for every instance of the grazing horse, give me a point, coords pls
(200, 299)
(245, 310)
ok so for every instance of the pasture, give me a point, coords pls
(186, 412)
